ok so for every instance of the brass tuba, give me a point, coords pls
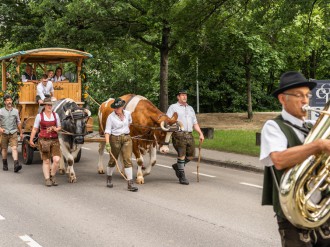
(304, 189)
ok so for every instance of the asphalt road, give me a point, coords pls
(223, 209)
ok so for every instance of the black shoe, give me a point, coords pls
(109, 182)
(5, 165)
(17, 166)
(131, 186)
(182, 177)
(175, 168)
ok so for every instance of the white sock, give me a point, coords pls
(129, 173)
(110, 170)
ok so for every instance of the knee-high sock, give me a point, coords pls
(110, 170)
(129, 173)
(181, 164)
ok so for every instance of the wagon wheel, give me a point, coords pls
(27, 151)
(77, 159)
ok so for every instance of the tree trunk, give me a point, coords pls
(164, 51)
(248, 85)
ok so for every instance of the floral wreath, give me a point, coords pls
(14, 84)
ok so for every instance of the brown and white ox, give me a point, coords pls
(150, 129)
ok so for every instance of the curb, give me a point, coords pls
(225, 164)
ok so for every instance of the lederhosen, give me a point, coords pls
(48, 141)
(270, 196)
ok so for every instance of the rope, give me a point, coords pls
(118, 168)
(89, 96)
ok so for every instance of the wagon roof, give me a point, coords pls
(48, 55)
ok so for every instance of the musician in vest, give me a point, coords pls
(48, 124)
(118, 141)
(183, 141)
(10, 123)
(281, 148)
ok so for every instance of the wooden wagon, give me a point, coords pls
(41, 61)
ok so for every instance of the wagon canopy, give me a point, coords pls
(48, 55)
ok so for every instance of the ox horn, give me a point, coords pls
(88, 112)
(180, 125)
(163, 127)
(67, 112)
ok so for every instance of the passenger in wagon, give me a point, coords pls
(28, 75)
(118, 141)
(48, 124)
(58, 75)
(45, 89)
(50, 74)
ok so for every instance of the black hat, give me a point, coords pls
(293, 79)
(47, 101)
(7, 96)
(118, 103)
(183, 91)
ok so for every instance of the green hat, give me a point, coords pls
(182, 91)
(47, 101)
(118, 103)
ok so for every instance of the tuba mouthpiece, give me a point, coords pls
(305, 107)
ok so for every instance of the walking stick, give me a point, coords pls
(199, 159)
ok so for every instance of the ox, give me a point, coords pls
(150, 129)
(73, 120)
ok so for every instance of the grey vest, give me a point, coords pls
(9, 120)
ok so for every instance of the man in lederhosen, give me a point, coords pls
(183, 141)
(9, 125)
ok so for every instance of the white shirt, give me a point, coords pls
(61, 78)
(42, 90)
(38, 119)
(274, 140)
(116, 126)
(186, 115)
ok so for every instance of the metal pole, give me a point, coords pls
(197, 86)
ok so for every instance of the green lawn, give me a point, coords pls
(235, 141)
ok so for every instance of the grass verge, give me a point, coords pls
(234, 141)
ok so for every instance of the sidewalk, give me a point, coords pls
(224, 159)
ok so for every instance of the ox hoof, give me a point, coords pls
(100, 171)
(139, 180)
(61, 171)
(72, 179)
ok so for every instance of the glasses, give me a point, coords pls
(300, 95)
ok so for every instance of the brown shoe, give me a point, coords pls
(53, 179)
(48, 182)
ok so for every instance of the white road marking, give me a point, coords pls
(252, 185)
(163, 166)
(2, 218)
(205, 175)
(85, 148)
(29, 241)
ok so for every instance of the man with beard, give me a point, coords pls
(9, 124)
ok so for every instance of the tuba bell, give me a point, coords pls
(304, 190)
